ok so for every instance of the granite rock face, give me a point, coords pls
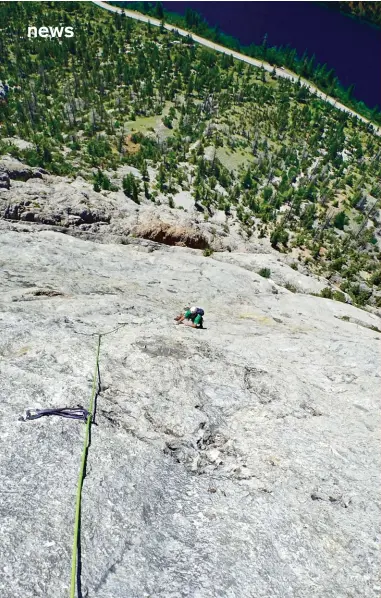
(18, 171)
(73, 207)
(30, 194)
(4, 180)
(241, 460)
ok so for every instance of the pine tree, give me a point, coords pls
(161, 178)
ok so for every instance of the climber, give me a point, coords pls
(193, 315)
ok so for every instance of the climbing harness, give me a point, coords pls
(70, 412)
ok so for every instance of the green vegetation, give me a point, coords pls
(265, 272)
(369, 12)
(102, 181)
(261, 150)
(131, 187)
(290, 287)
(305, 66)
(207, 252)
(328, 293)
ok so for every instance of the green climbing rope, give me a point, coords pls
(82, 473)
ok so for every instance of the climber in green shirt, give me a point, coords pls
(193, 315)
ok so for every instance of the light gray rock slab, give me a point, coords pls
(238, 461)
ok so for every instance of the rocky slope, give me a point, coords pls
(146, 113)
(241, 460)
(71, 206)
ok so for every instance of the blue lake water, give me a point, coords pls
(351, 48)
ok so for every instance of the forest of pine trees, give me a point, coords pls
(305, 66)
(262, 150)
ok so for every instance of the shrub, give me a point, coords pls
(338, 264)
(359, 295)
(335, 295)
(339, 296)
(131, 187)
(327, 293)
(208, 251)
(167, 122)
(340, 220)
(279, 235)
(267, 193)
(101, 181)
(376, 278)
(265, 272)
(290, 287)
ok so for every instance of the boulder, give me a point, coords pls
(18, 171)
(27, 216)
(4, 180)
(12, 212)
